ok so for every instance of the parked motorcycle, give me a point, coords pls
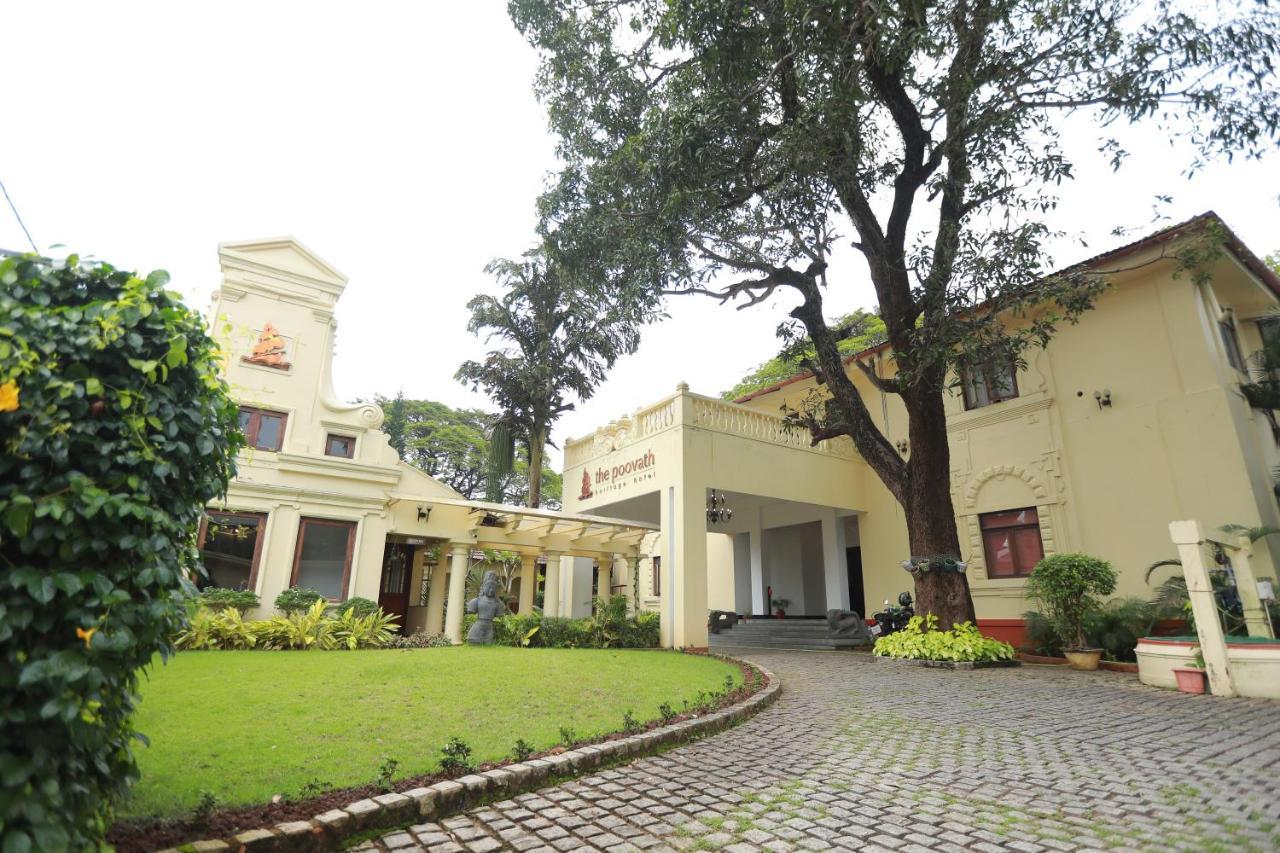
(893, 617)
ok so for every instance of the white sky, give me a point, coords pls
(402, 143)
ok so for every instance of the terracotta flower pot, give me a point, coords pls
(1190, 679)
(1085, 660)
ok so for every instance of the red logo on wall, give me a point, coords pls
(586, 486)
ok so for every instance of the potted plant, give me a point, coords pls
(1191, 679)
(1069, 587)
(780, 606)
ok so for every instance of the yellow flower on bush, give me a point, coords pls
(9, 396)
(87, 636)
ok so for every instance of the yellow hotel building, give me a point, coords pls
(1129, 420)
(1125, 422)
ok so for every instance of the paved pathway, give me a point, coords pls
(861, 755)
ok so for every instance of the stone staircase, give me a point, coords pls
(765, 633)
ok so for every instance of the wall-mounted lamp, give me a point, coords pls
(424, 514)
(1103, 398)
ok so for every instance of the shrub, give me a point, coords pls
(455, 758)
(421, 640)
(1115, 628)
(297, 599)
(352, 631)
(920, 640)
(558, 632)
(522, 750)
(1068, 587)
(115, 432)
(217, 598)
(361, 606)
(311, 629)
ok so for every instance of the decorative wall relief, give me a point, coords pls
(270, 350)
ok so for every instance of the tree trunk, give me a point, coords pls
(537, 442)
(931, 518)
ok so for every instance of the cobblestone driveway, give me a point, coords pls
(861, 755)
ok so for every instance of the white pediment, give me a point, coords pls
(283, 255)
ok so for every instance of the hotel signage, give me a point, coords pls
(612, 478)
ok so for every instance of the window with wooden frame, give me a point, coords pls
(230, 547)
(1011, 542)
(340, 445)
(657, 576)
(322, 558)
(262, 428)
(989, 383)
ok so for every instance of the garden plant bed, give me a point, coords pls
(321, 822)
(951, 664)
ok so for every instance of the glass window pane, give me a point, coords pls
(1009, 518)
(323, 560)
(975, 389)
(1002, 380)
(998, 544)
(1030, 548)
(245, 417)
(229, 544)
(339, 445)
(269, 427)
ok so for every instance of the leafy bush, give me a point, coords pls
(421, 640)
(609, 628)
(297, 599)
(920, 640)
(310, 629)
(352, 631)
(115, 432)
(522, 750)
(455, 758)
(361, 606)
(1115, 628)
(313, 629)
(1068, 588)
(217, 598)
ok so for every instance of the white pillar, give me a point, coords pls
(459, 555)
(1255, 616)
(684, 566)
(551, 585)
(1213, 645)
(528, 582)
(755, 540)
(435, 596)
(604, 577)
(834, 562)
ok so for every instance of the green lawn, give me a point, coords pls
(248, 725)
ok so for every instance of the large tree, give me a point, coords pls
(452, 445)
(725, 147)
(561, 336)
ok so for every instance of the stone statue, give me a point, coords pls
(487, 605)
(721, 619)
(847, 625)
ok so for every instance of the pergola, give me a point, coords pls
(532, 533)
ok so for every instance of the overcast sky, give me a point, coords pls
(402, 143)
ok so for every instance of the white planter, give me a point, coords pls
(1255, 667)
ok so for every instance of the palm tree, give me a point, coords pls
(561, 336)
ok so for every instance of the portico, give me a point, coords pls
(795, 508)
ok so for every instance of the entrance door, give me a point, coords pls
(393, 594)
(857, 598)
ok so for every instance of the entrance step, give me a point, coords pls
(781, 634)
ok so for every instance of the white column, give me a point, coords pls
(684, 566)
(604, 577)
(551, 585)
(528, 582)
(435, 596)
(1255, 615)
(755, 539)
(1213, 645)
(459, 555)
(834, 563)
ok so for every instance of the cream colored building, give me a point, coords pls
(322, 500)
(1128, 420)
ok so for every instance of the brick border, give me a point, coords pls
(949, 664)
(328, 830)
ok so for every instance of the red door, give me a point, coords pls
(393, 595)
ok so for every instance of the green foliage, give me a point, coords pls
(217, 629)
(630, 724)
(865, 331)
(1068, 587)
(115, 431)
(522, 750)
(374, 630)
(421, 640)
(920, 640)
(297, 599)
(611, 627)
(216, 598)
(666, 712)
(568, 737)
(362, 606)
(314, 628)
(385, 779)
(561, 337)
(1115, 628)
(455, 758)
